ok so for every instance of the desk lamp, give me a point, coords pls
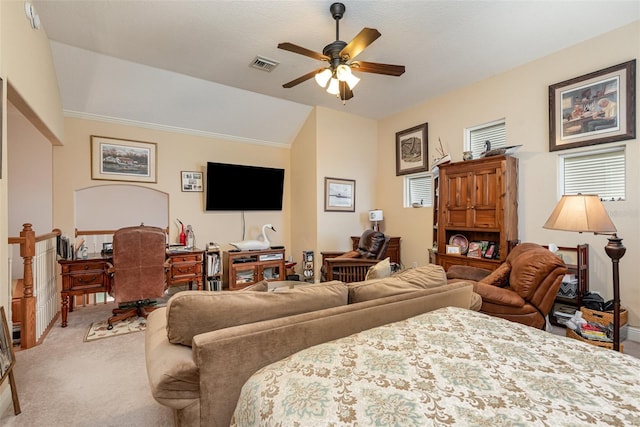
(585, 213)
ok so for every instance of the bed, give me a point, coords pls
(447, 367)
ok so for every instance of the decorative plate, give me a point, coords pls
(460, 240)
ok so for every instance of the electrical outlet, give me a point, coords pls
(414, 264)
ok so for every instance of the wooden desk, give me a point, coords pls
(90, 276)
(185, 266)
(81, 277)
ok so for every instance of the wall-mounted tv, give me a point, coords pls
(232, 187)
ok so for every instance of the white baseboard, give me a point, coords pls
(633, 334)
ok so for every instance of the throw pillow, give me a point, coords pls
(499, 277)
(380, 270)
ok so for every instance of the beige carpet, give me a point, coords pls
(67, 382)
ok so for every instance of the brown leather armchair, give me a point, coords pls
(523, 289)
(352, 266)
(138, 271)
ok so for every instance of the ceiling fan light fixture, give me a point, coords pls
(322, 78)
(343, 72)
(334, 87)
(352, 81)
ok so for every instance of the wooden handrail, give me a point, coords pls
(27, 242)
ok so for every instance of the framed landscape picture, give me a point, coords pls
(595, 108)
(123, 160)
(339, 195)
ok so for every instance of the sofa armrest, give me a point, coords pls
(496, 295)
(348, 270)
(466, 272)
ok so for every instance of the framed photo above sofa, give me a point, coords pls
(595, 108)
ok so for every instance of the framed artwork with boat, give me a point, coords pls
(123, 160)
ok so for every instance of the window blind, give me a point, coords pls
(494, 132)
(419, 190)
(601, 173)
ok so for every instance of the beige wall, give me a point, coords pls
(303, 192)
(176, 153)
(521, 97)
(346, 148)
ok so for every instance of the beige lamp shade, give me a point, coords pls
(581, 213)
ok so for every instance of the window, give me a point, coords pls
(599, 172)
(418, 188)
(477, 136)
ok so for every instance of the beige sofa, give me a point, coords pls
(203, 346)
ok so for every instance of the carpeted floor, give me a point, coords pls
(68, 382)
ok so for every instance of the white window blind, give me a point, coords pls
(418, 189)
(601, 173)
(477, 136)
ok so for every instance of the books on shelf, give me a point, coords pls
(213, 263)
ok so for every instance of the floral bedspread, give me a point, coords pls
(447, 367)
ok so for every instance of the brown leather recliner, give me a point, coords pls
(352, 266)
(523, 289)
(138, 271)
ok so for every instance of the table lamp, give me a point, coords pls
(375, 216)
(585, 213)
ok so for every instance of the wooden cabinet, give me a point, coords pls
(477, 199)
(393, 250)
(244, 268)
(81, 277)
(570, 295)
(185, 266)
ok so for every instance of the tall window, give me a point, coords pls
(476, 137)
(599, 172)
(418, 188)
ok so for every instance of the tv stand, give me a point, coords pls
(245, 268)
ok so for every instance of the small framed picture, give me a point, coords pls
(491, 251)
(475, 250)
(192, 181)
(453, 249)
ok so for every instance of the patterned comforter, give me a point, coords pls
(447, 367)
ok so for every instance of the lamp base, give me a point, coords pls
(615, 250)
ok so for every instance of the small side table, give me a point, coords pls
(185, 266)
(82, 277)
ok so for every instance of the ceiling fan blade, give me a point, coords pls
(345, 92)
(302, 51)
(360, 42)
(374, 67)
(301, 79)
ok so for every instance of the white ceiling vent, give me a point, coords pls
(264, 64)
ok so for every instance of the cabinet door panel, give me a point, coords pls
(485, 200)
(457, 206)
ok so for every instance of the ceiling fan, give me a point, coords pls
(337, 77)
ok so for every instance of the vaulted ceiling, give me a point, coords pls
(186, 64)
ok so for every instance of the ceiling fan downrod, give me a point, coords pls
(337, 11)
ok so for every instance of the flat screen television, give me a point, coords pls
(231, 187)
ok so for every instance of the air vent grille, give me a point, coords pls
(264, 64)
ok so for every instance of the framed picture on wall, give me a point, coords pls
(123, 160)
(339, 195)
(595, 108)
(411, 150)
(191, 181)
